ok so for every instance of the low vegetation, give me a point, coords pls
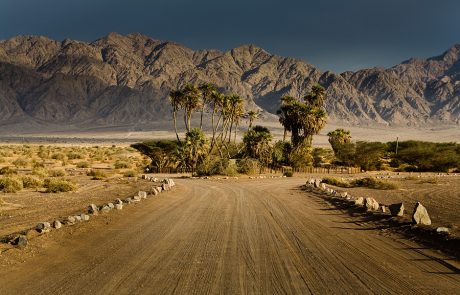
(57, 185)
(369, 182)
(31, 167)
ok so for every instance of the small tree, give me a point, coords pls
(257, 144)
(196, 146)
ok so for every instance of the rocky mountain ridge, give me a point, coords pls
(124, 80)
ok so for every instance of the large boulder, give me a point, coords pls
(396, 209)
(420, 215)
(371, 204)
(119, 206)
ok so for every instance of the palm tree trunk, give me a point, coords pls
(201, 119)
(285, 134)
(175, 125)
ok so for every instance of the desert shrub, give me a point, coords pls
(20, 162)
(248, 166)
(122, 164)
(59, 156)
(55, 185)
(83, 164)
(336, 182)
(30, 181)
(288, 173)
(373, 183)
(56, 173)
(130, 173)
(7, 171)
(10, 184)
(74, 155)
(37, 163)
(97, 174)
(40, 171)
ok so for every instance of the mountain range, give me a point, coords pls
(125, 80)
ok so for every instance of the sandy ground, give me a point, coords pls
(442, 199)
(163, 130)
(234, 237)
(26, 209)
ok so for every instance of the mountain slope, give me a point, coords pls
(123, 80)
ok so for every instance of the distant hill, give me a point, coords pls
(124, 80)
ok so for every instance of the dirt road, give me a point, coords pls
(230, 237)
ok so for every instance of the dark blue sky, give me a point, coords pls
(331, 34)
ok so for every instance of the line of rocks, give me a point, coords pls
(43, 227)
(420, 214)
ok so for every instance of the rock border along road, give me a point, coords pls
(232, 237)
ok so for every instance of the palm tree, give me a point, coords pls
(313, 120)
(316, 96)
(235, 110)
(207, 90)
(175, 97)
(217, 101)
(252, 115)
(190, 102)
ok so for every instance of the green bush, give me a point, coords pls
(30, 181)
(56, 185)
(248, 166)
(130, 173)
(213, 165)
(336, 182)
(288, 173)
(373, 183)
(425, 156)
(10, 184)
(56, 173)
(97, 174)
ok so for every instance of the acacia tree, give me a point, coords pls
(344, 149)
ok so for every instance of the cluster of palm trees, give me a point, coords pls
(226, 112)
(303, 118)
